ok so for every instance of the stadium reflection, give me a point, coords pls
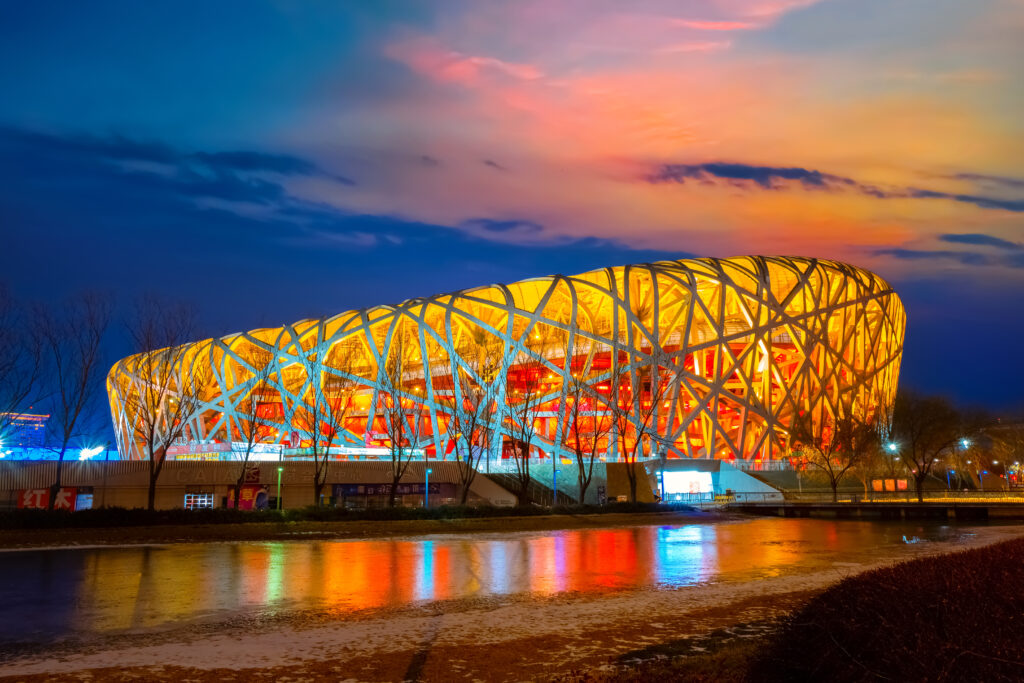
(53, 593)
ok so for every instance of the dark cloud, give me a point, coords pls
(782, 177)
(506, 226)
(237, 176)
(980, 240)
(765, 176)
(427, 160)
(249, 161)
(1015, 205)
(494, 164)
(982, 178)
(967, 258)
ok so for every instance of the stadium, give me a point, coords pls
(691, 359)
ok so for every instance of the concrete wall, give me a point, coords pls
(125, 484)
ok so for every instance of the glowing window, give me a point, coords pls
(687, 482)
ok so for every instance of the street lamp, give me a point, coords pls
(426, 489)
(279, 471)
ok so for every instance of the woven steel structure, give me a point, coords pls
(742, 344)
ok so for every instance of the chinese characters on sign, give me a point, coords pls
(40, 499)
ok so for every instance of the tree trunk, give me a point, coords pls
(632, 484)
(391, 493)
(238, 491)
(55, 489)
(835, 491)
(151, 497)
(919, 484)
(318, 489)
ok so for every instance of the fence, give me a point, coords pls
(909, 496)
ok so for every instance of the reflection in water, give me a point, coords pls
(51, 593)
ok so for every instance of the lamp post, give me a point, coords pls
(426, 489)
(554, 488)
(279, 470)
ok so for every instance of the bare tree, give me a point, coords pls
(588, 419)
(329, 388)
(925, 427)
(396, 407)
(523, 399)
(1007, 442)
(255, 419)
(20, 363)
(874, 463)
(162, 386)
(467, 395)
(71, 342)
(834, 445)
(635, 411)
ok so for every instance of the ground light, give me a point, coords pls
(279, 471)
(87, 453)
(426, 489)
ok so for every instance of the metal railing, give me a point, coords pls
(761, 465)
(909, 496)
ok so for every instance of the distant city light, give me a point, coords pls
(966, 442)
(892, 447)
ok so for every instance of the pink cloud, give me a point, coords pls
(429, 58)
(696, 46)
(715, 25)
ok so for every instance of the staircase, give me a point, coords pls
(536, 491)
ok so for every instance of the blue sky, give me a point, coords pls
(275, 160)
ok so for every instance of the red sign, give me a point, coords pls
(252, 497)
(39, 499)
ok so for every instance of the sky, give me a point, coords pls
(276, 160)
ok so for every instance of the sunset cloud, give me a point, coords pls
(714, 25)
(428, 58)
(781, 177)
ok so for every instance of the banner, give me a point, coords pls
(252, 497)
(39, 499)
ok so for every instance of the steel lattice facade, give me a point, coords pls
(742, 343)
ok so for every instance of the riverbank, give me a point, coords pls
(333, 530)
(950, 617)
(763, 570)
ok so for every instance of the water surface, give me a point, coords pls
(50, 594)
